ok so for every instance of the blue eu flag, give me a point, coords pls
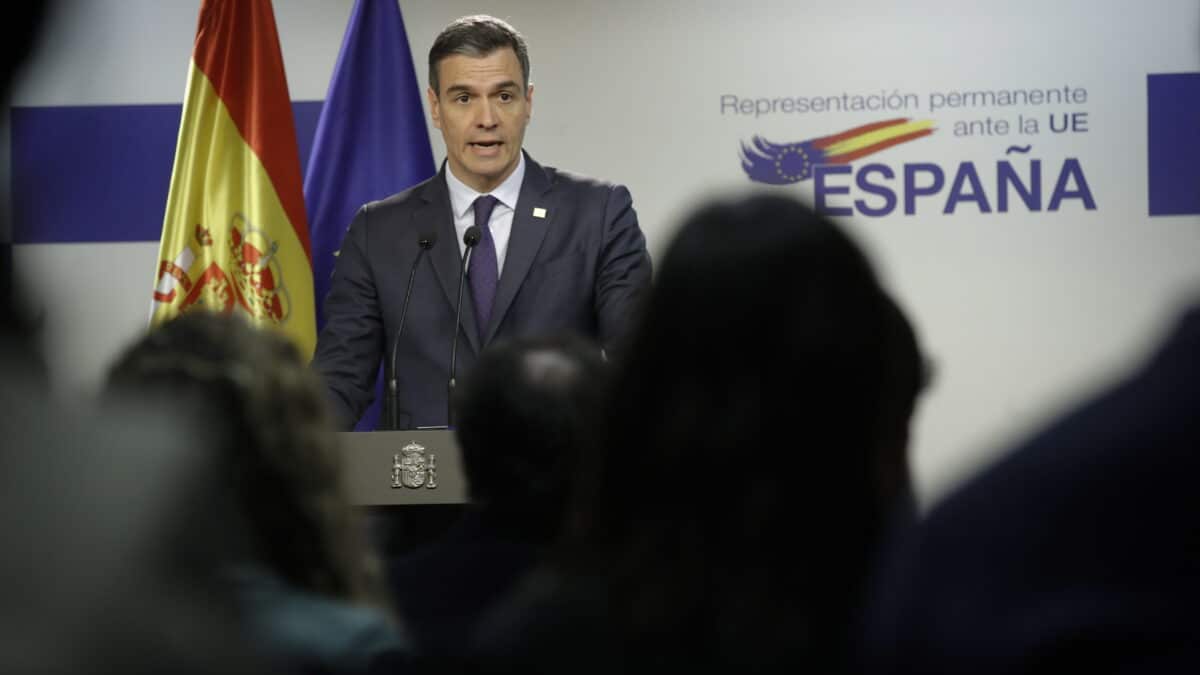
(371, 140)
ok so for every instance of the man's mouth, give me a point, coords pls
(486, 144)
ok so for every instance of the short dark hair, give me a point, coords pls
(477, 36)
(525, 412)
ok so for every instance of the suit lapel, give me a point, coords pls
(447, 262)
(528, 231)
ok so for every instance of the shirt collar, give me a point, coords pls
(462, 197)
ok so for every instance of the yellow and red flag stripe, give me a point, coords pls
(785, 163)
(868, 139)
(235, 234)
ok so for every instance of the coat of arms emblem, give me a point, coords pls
(413, 467)
(243, 274)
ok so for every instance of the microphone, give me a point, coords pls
(425, 241)
(471, 238)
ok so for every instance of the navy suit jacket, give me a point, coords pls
(579, 266)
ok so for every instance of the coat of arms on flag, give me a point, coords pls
(251, 281)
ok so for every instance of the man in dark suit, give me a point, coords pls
(558, 252)
(1079, 552)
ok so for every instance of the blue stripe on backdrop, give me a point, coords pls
(1173, 138)
(101, 173)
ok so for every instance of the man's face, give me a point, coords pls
(482, 110)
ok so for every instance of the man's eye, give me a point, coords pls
(505, 96)
(463, 98)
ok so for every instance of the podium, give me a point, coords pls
(384, 468)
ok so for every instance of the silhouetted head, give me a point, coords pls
(276, 442)
(755, 435)
(525, 413)
(20, 31)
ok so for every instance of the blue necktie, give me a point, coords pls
(484, 272)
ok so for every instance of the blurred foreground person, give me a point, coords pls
(754, 452)
(306, 582)
(1079, 552)
(102, 515)
(525, 414)
(111, 524)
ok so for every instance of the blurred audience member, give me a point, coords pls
(20, 33)
(753, 455)
(98, 512)
(108, 521)
(1079, 552)
(525, 414)
(308, 585)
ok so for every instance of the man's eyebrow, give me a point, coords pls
(507, 84)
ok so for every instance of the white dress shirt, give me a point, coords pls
(462, 202)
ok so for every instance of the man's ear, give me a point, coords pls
(435, 112)
(529, 100)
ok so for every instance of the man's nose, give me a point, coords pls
(487, 117)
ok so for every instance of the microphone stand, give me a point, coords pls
(470, 238)
(425, 242)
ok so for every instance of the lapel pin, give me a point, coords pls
(539, 212)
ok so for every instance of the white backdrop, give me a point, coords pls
(1022, 311)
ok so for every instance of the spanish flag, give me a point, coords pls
(235, 235)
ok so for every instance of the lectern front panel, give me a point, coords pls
(402, 467)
